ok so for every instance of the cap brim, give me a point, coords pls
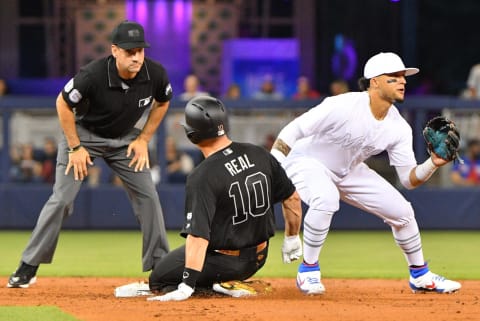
(411, 71)
(408, 72)
(131, 45)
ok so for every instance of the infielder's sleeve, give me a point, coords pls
(76, 88)
(401, 153)
(311, 122)
(282, 186)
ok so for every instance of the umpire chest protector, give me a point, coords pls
(110, 106)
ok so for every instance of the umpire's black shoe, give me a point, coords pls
(23, 276)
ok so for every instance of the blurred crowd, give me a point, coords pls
(34, 165)
(267, 90)
(30, 165)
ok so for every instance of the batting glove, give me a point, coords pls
(291, 248)
(183, 292)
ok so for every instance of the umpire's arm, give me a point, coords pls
(78, 157)
(139, 146)
(67, 121)
(159, 109)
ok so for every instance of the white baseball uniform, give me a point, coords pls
(329, 144)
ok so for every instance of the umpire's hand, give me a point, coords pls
(78, 160)
(140, 154)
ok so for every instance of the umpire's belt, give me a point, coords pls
(249, 250)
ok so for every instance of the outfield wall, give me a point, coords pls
(107, 207)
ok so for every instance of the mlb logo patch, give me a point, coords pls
(144, 102)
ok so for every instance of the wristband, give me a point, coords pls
(425, 170)
(74, 149)
(190, 276)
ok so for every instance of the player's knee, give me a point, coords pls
(405, 215)
(325, 204)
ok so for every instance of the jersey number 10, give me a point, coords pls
(251, 197)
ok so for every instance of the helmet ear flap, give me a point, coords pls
(191, 133)
(194, 137)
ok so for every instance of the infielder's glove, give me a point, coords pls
(442, 138)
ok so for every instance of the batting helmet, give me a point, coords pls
(205, 117)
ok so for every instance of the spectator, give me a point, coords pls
(473, 83)
(115, 180)
(25, 169)
(304, 91)
(48, 159)
(15, 158)
(269, 140)
(179, 164)
(338, 87)
(268, 91)
(94, 176)
(192, 88)
(3, 87)
(155, 169)
(468, 173)
(233, 92)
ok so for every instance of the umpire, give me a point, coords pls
(100, 111)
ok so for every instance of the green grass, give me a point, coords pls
(346, 254)
(34, 314)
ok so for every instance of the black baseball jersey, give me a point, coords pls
(110, 106)
(230, 197)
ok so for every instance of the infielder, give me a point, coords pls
(228, 211)
(323, 152)
(100, 111)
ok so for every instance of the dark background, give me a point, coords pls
(438, 36)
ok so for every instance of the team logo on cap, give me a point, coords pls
(134, 33)
(221, 130)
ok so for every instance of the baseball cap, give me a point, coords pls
(128, 35)
(386, 63)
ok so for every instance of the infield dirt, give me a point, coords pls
(91, 299)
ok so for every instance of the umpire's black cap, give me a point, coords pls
(129, 35)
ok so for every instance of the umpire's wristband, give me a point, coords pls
(74, 149)
(190, 277)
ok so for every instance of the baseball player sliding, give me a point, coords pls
(229, 216)
(323, 152)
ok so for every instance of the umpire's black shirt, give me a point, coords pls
(110, 106)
